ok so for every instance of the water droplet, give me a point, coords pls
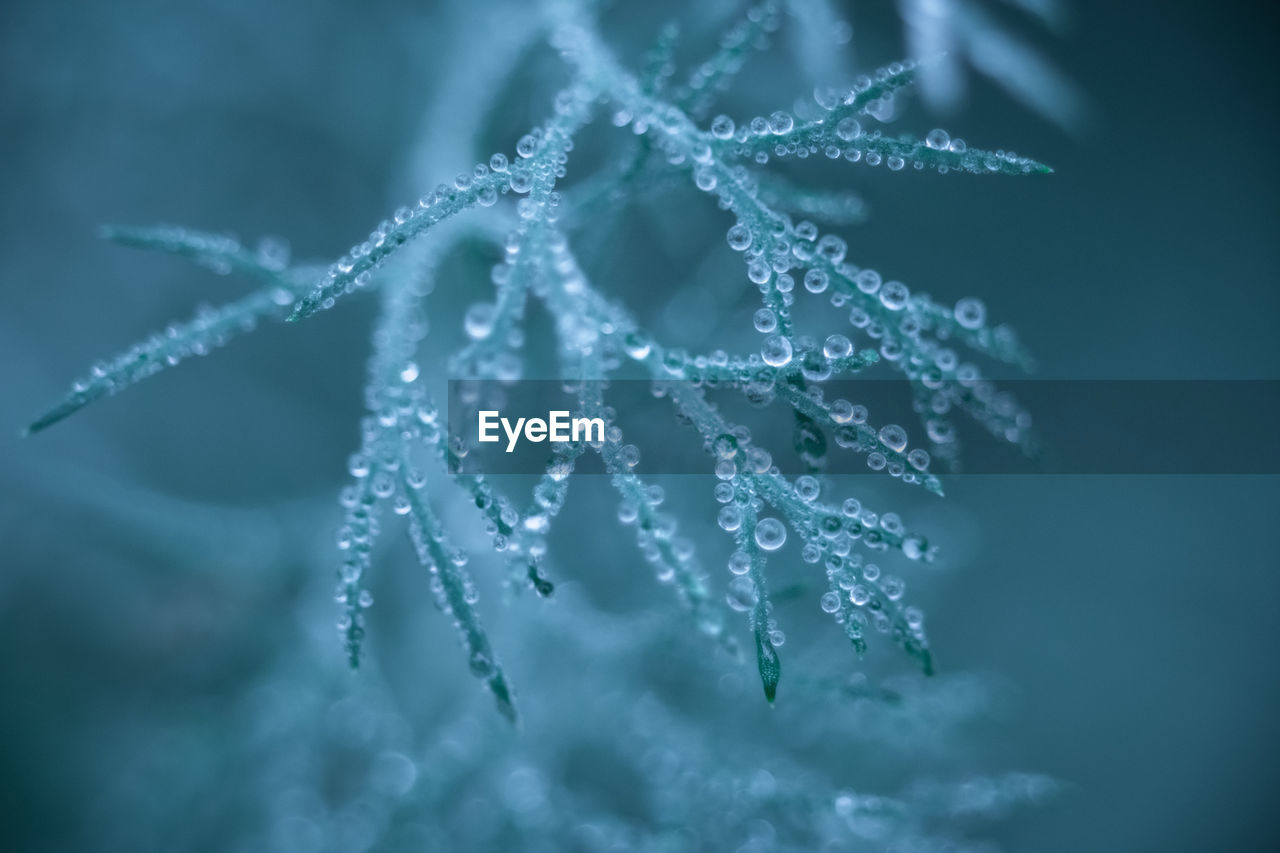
(383, 484)
(776, 351)
(970, 313)
(780, 123)
(837, 346)
(765, 320)
(722, 127)
(815, 281)
(830, 602)
(807, 488)
(520, 182)
(868, 280)
(629, 455)
(759, 460)
(894, 295)
(893, 437)
(739, 237)
(478, 322)
(637, 346)
(832, 248)
(848, 129)
(742, 594)
(358, 465)
(770, 534)
(938, 139)
(628, 511)
(940, 431)
(730, 518)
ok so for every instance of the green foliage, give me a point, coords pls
(402, 436)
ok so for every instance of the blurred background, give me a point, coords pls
(171, 677)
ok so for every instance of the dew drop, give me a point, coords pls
(894, 295)
(848, 129)
(837, 346)
(815, 281)
(739, 238)
(478, 322)
(770, 534)
(742, 594)
(893, 437)
(776, 351)
(868, 280)
(970, 313)
(807, 488)
(765, 320)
